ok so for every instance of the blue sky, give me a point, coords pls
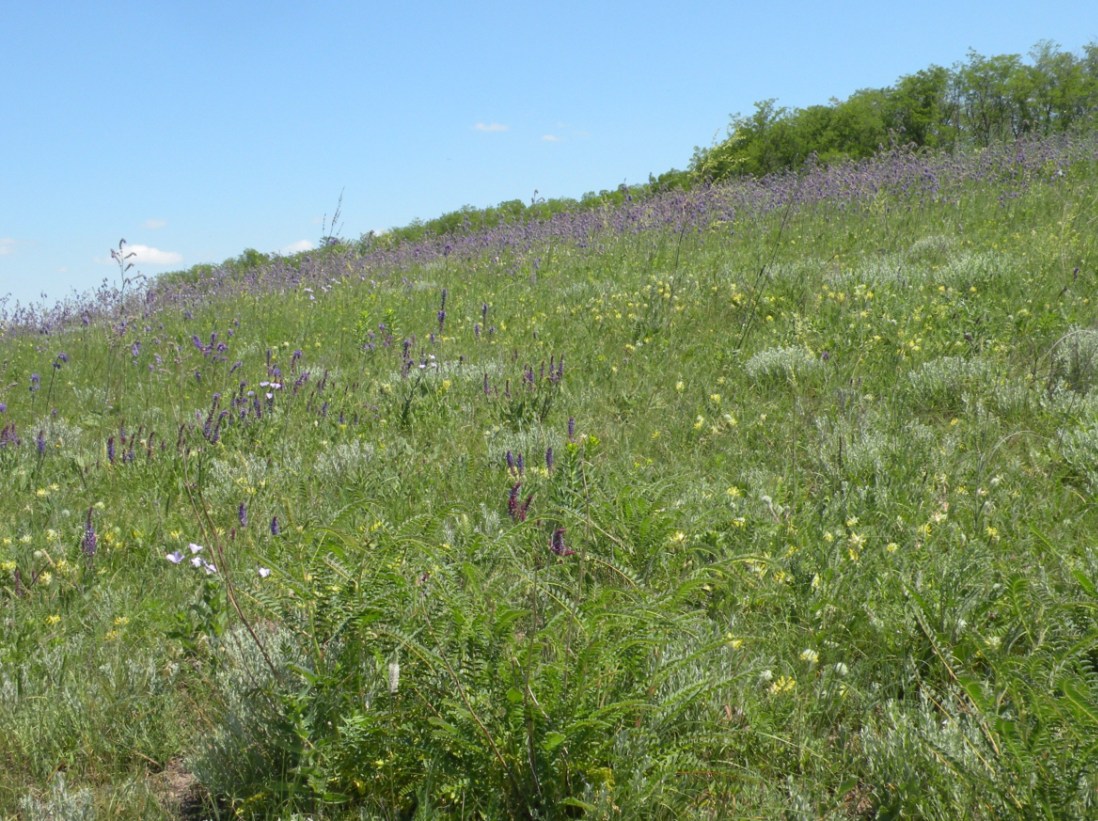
(198, 129)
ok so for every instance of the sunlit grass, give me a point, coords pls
(776, 508)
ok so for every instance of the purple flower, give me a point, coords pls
(275, 528)
(242, 515)
(571, 428)
(549, 458)
(515, 508)
(3, 408)
(110, 449)
(40, 443)
(510, 457)
(36, 382)
(90, 541)
(556, 543)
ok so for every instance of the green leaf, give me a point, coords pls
(552, 741)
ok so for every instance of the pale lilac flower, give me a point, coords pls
(195, 548)
(175, 557)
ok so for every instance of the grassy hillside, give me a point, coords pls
(770, 498)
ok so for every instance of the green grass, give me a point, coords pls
(829, 499)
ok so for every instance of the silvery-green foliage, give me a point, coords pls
(1075, 360)
(1079, 450)
(781, 363)
(921, 760)
(251, 743)
(942, 384)
(60, 804)
(343, 461)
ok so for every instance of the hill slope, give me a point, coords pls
(767, 498)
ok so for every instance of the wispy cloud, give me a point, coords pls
(550, 138)
(296, 247)
(147, 255)
(7, 246)
(491, 128)
(154, 224)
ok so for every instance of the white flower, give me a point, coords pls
(195, 548)
(264, 572)
(809, 655)
(175, 557)
(394, 676)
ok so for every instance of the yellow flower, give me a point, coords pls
(734, 492)
(53, 619)
(678, 538)
(784, 684)
(809, 655)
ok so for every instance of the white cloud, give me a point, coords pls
(491, 128)
(154, 224)
(7, 246)
(147, 255)
(550, 138)
(296, 247)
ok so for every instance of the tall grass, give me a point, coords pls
(768, 499)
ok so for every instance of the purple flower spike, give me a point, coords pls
(549, 459)
(275, 528)
(242, 515)
(557, 545)
(571, 428)
(89, 541)
(40, 443)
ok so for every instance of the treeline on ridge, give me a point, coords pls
(969, 105)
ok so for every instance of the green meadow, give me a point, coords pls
(769, 499)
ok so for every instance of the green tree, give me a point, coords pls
(921, 109)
